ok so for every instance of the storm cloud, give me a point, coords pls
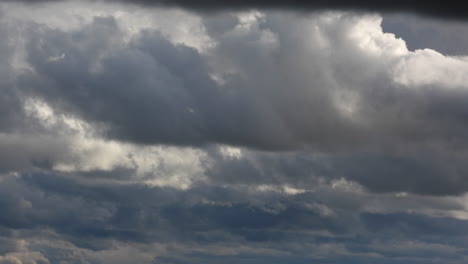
(258, 133)
(452, 9)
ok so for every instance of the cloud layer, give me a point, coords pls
(151, 135)
(451, 9)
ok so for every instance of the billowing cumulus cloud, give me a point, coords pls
(255, 87)
(135, 133)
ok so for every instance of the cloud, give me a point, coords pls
(14, 251)
(376, 172)
(11, 245)
(90, 220)
(234, 93)
(422, 32)
(236, 137)
(334, 83)
(434, 8)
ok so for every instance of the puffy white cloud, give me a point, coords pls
(430, 68)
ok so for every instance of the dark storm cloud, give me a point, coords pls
(10, 245)
(19, 150)
(150, 76)
(413, 225)
(10, 103)
(435, 8)
(420, 173)
(439, 8)
(166, 89)
(88, 215)
(91, 215)
(141, 213)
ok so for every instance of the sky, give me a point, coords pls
(236, 132)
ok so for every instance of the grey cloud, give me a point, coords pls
(180, 214)
(23, 152)
(448, 9)
(130, 77)
(414, 226)
(421, 173)
(23, 145)
(155, 92)
(95, 216)
(11, 245)
(270, 97)
(276, 87)
(10, 104)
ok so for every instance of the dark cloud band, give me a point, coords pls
(439, 8)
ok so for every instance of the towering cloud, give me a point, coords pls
(334, 82)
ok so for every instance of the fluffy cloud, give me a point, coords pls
(333, 83)
(235, 93)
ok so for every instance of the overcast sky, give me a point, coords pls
(246, 132)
